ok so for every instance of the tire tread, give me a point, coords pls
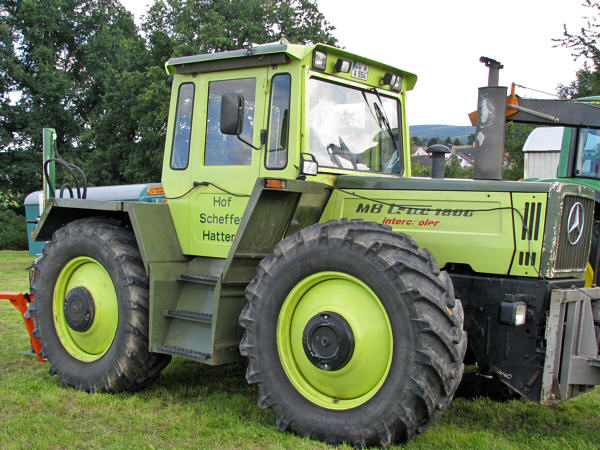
(134, 366)
(435, 317)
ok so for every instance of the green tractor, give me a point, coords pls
(294, 236)
(566, 148)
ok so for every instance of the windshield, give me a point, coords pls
(588, 153)
(353, 129)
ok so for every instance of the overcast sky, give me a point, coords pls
(441, 41)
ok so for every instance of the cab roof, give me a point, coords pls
(275, 53)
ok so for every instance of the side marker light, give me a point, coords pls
(274, 183)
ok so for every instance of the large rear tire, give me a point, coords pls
(353, 335)
(91, 308)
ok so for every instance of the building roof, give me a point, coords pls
(544, 139)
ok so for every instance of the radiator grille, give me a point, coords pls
(574, 256)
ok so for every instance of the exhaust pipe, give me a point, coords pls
(491, 119)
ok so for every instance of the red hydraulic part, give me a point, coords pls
(21, 302)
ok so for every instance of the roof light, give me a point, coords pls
(319, 61)
(343, 65)
(393, 80)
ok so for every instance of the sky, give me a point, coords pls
(441, 41)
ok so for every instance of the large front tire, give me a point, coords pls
(91, 308)
(353, 335)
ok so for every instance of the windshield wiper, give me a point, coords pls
(376, 118)
(383, 118)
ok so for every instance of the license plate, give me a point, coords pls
(360, 71)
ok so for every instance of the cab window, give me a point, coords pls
(588, 153)
(221, 149)
(279, 122)
(183, 126)
(352, 128)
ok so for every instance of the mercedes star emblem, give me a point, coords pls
(575, 224)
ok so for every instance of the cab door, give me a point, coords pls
(226, 168)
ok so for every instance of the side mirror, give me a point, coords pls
(232, 114)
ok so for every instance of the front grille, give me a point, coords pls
(573, 257)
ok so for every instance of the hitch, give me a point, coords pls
(21, 302)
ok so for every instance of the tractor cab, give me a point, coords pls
(275, 110)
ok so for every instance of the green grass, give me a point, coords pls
(195, 406)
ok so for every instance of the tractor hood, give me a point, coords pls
(447, 184)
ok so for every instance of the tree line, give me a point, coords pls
(416, 141)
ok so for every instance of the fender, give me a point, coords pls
(151, 223)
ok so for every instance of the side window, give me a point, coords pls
(279, 122)
(588, 153)
(183, 126)
(223, 149)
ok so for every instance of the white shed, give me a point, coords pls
(542, 152)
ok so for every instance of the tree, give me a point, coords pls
(416, 141)
(584, 44)
(61, 60)
(417, 170)
(184, 27)
(452, 169)
(515, 137)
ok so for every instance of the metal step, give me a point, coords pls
(183, 352)
(202, 279)
(190, 315)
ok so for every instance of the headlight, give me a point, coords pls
(513, 313)
(308, 164)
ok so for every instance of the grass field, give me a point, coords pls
(194, 406)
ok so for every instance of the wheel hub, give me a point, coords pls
(79, 309)
(328, 341)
